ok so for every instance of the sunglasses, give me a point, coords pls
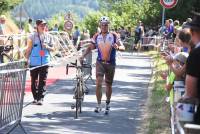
(105, 25)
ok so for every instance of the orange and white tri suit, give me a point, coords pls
(104, 45)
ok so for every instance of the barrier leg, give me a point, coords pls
(22, 128)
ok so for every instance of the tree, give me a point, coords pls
(7, 5)
(183, 9)
(91, 21)
(148, 11)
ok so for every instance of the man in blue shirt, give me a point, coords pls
(76, 36)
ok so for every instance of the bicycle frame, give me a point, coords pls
(79, 91)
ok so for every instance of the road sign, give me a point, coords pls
(68, 25)
(168, 3)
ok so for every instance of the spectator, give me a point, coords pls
(76, 36)
(188, 20)
(38, 56)
(2, 31)
(192, 81)
(178, 63)
(185, 41)
(29, 27)
(139, 32)
(169, 30)
(2, 24)
(85, 35)
(177, 28)
(55, 28)
(122, 32)
(184, 37)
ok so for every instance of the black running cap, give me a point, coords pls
(40, 21)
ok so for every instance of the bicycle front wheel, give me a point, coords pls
(78, 99)
(78, 107)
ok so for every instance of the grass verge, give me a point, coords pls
(158, 116)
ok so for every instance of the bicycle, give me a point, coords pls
(79, 90)
(4, 56)
(5, 49)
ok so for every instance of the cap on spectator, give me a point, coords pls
(195, 23)
(40, 21)
(189, 20)
(170, 20)
(181, 57)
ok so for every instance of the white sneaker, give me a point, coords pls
(97, 109)
(34, 101)
(107, 109)
(40, 102)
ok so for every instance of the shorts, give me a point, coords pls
(105, 69)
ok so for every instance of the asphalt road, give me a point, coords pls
(130, 92)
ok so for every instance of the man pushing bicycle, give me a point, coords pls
(106, 43)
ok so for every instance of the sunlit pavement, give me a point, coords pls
(128, 101)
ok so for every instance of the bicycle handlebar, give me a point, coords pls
(84, 65)
(6, 48)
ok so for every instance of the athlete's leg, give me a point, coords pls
(109, 76)
(99, 80)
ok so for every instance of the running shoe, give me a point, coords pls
(34, 101)
(40, 102)
(107, 109)
(97, 109)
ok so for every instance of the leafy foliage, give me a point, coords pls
(121, 12)
(183, 9)
(91, 21)
(37, 9)
(6, 5)
(148, 11)
(131, 11)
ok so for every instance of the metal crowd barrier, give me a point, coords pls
(65, 50)
(150, 41)
(12, 87)
(13, 65)
(18, 43)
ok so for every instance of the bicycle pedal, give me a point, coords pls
(72, 106)
(86, 92)
(106, 112)
(74, 97)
